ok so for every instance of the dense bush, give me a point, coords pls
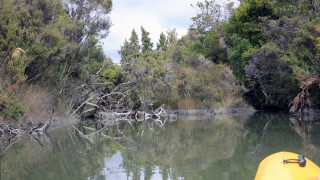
(51, 43)
(181, 77)
(10, 108)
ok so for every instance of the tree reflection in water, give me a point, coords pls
(219, 148)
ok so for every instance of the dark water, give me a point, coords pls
(222, 148)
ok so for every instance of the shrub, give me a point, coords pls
(10, 109)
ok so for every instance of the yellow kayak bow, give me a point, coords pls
(287, 166)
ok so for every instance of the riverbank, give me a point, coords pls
(209, 113)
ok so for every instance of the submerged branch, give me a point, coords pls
(9, 132)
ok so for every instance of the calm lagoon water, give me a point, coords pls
(218, 148)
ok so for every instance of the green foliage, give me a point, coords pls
(162, 44)
(16, 66)
(208, 17)
(306, 47)
(316, 39)
(246, 21)
(90, 18)
(271, 82)
(211, 45)
(130, 49)
(151, 77)
(134, 42)
(238, 56)
(172, 36)
(181, 78)
(12, 42)
(10, 109)
(112, 73)
(271, 45)
(50, 42)
(267, 45)
(145, 41)
(292, 8)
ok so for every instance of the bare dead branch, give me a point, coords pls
(81, 106)
(302, 99)
(2, 152)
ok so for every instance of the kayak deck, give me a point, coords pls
(274, 168)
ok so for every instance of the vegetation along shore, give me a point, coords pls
(261, 54)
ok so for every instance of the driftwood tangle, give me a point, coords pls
(301, 101)
(13, 134)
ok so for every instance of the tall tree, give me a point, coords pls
(23, 26)
(246, 21)
(145, 41)
(209, 15)
(134, 42)
(124, 51)
(162, 44)
(130, 49)
(90, 17)
(89, 22)
(172, 36)
(55, 36)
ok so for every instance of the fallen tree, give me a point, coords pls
(11, 134)
(107, 102)
(302, 100)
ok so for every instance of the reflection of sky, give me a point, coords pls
(113, 169)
